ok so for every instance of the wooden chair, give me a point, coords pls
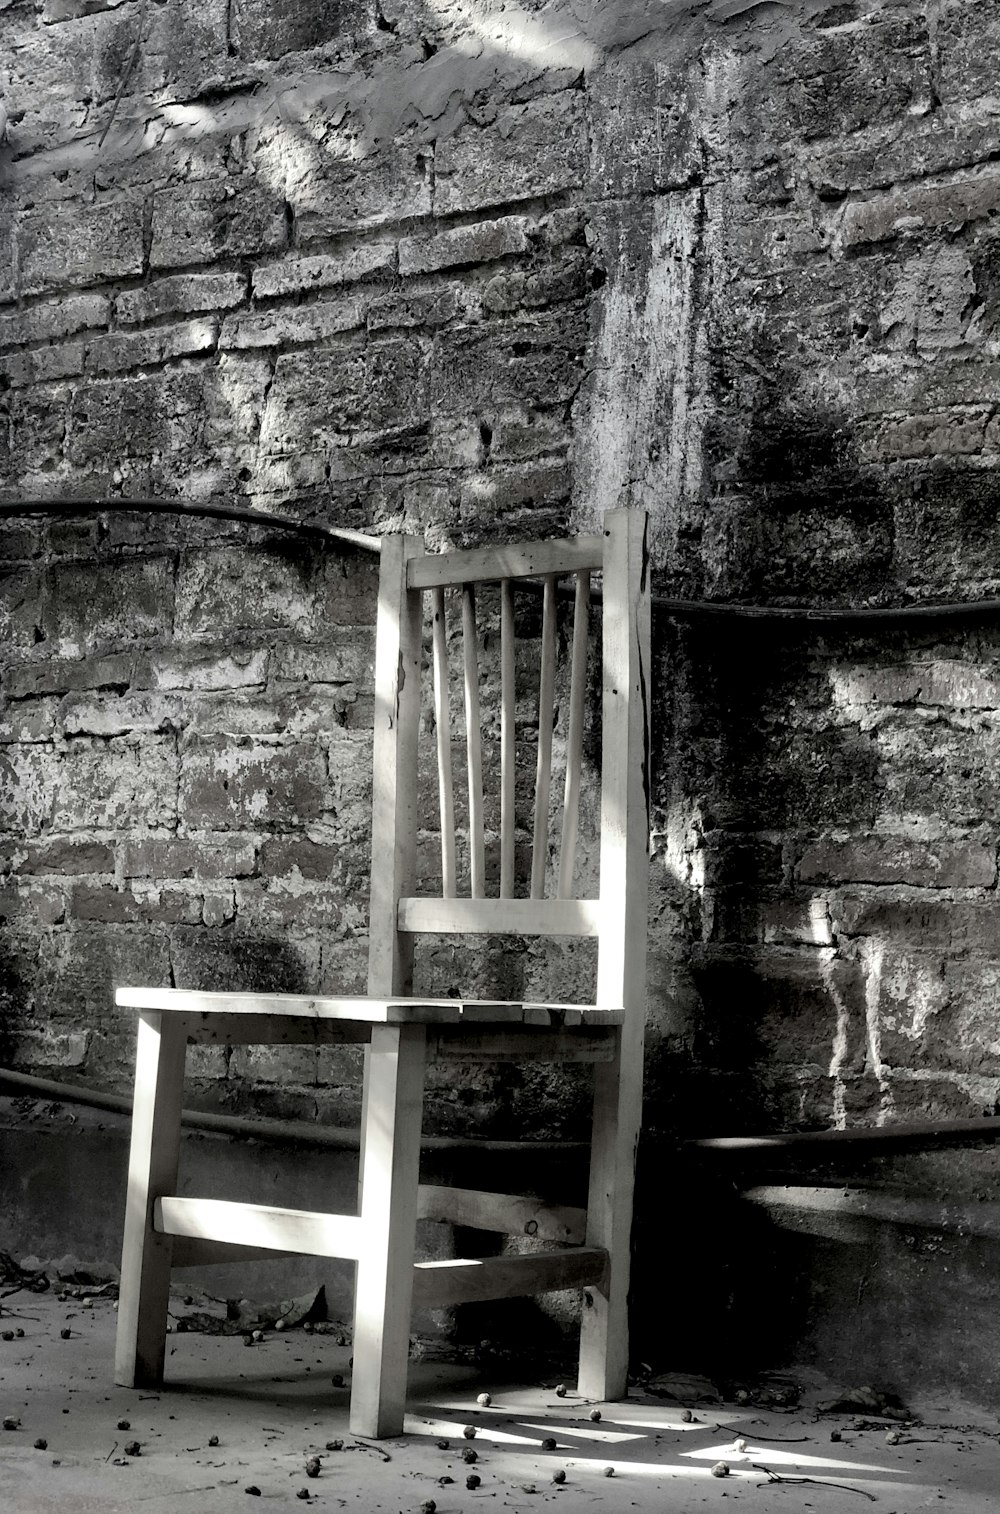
(401, 1032)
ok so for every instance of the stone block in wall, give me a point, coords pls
(507, 236)
(64, 856)
(296, 275)
(967, 863)
(184, 44)
(551, 283)
(300, 325)
(918, 208)
(260, 29)
(537, 360)
(232, 589)
(528, 151)
(332, 195)
(318, 395)
(346, 659)
(118, 351)
(947, 683)
(53, 676)
(204, 668)
(32, 905)
(275, 1064)
(50, 1048)
(54, 319)
(78, 975)
(940, 143)
(223, 960)
(934, 1015)
(115, 419)
(27, 781)
(235, 787)
(210, 856)
(89, 604)
(110, 905)
(120, 783)
(947, 529)
(19, 592)
(840, 81)
(41, 366)
(67, 244)
(29, 720)
(121, 714)
(946, 924)
(265, 905)
(968, 35)
(424, 308)
(644, 126)
(199, 223)
(953, 770)
(314, 861)
(180, 294)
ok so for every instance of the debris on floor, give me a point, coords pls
(268, 1423)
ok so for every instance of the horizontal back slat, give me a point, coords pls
(516, 917)
(485, 564)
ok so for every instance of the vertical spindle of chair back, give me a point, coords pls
(472, 684)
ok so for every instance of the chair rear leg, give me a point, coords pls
(390, 1169)
(152, 1174)
(604, 1345)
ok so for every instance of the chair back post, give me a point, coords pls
(394, 768)
(621, 966)
(621, 971)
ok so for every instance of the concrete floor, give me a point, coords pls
(273, 1405)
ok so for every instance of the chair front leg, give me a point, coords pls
(604, 1343)
(390, 1168)
(152, 1174)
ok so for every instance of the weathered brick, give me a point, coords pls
(391, 183)
(343, 659)
(42, 365)
(529, 151)
(150, 906)
(504, 237)
(54, 319)
(143, 349)
(83, 967)
(260, 30)
(306, 323)
(55, 677)
(223, 960)
(120, 715)
(28, 777)
(317, 395)
(70, 10)
(51, 1048)
(211, 856)
(229, 787)
(232, 589)
(115, 419)
(181, 294)
(949, 925)
(66, 856)
(425, 308)
(890, 859)
(645, 127)
(69, 244)
(294, 275)
(920, 208)
(315, 861)
(33, 904)
(198, 223)
(19, 588)
(948, 683)
(291, 903)
(275, 1064)
(966, 39)
(120, 783)
(549, 284)
(203, 668)
(90, 604)
(509, 363)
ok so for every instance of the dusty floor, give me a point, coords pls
(274, 1405)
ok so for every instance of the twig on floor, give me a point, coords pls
(819, 1482)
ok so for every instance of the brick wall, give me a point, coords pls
(472, 270)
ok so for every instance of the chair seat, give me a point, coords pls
(370, 1011)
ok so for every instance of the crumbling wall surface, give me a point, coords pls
(473, 269)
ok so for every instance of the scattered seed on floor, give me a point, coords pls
(313, 1466)
(687, 1418)
(470, 1456)
(65, 1333)
(303, 1493)
(484, 1400)
(335, 1445)
(213, 1440)
(559, 1475)
(721, 1469)
(253, 1488)
(561, 1390)
(11, 1422)
(469, 1432)
(595, 1415)
(473, 1480)
(443, 1445)
(41, 1444)
(124, 1424)
(609, 1471)
(133, 1448)
(548, 1444)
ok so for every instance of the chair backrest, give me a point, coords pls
(417, 587)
